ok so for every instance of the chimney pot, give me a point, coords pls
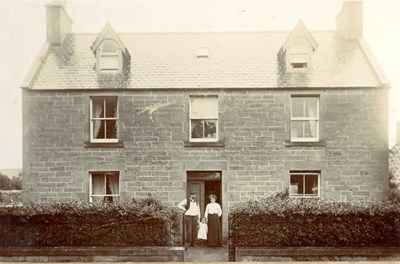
(349, 22)
(58, 22)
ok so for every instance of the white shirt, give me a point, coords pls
(213, 208)
(194, 208)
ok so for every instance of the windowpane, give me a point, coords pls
(98, 184)
(310, 129)
(297, 107)
(111, 128)
(310, 107)
(197, 128)
(299, 65)
(296, 130)
(112, 183)
(109, 62)
(97, 199)
(296, 184)
(311, 184)
(204, 107)
(98, 129)
(111, 107)
(210, 129)
(299, 58)
(97, 107)
(109, 46)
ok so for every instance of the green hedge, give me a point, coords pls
(133, 222)
(307, 222)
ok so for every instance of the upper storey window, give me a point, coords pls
(109, 57)
(104, 119)
(299, 54)
(203, 119)
(304, 119)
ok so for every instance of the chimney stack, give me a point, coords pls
(58, 22)
(349, 22)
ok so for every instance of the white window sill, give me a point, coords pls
(119, 144)
(320, 143)
(203, 144)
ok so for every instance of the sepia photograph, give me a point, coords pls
(199, 130)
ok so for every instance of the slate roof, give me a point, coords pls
(236, 60)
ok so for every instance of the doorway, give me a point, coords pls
(204, 183)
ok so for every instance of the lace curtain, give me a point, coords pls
(97, 110)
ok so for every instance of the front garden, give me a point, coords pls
(281, 222)
(133, 222)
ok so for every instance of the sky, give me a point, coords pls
(23, 32)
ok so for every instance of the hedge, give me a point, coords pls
(132, 222)
(307, 222)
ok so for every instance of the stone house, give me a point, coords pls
(394, 163)
(108, 116)
(394, 158)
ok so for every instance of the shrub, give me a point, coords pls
(394, 191)
(297, 222)
(132, 222)
(15, 183)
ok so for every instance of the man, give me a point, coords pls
(192, 217)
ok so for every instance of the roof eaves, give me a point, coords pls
(34, 69)
(374, 63)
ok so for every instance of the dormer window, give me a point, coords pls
(296, 53)
(109, 57)
(298, 56)
(111, 54)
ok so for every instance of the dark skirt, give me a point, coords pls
(214, 236)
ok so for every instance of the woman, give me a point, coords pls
(212, 213)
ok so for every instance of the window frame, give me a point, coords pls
(204, 119)
(116, 55)
(116, 118)
(91, 195)
(304, 173)
(298, 51)
(304, 119)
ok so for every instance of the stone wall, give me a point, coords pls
(366, 253)
(254, 154)
(92, 254)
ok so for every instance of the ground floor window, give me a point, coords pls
(304, 183)
(104, 186)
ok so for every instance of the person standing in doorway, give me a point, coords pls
(212, 213)
(192, 217)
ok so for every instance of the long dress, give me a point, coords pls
(214, 236)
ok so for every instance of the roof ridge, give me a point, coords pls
(200, 32)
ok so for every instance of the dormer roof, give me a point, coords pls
(109, 33)
(300, 31)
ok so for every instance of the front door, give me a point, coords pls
(204, 183)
